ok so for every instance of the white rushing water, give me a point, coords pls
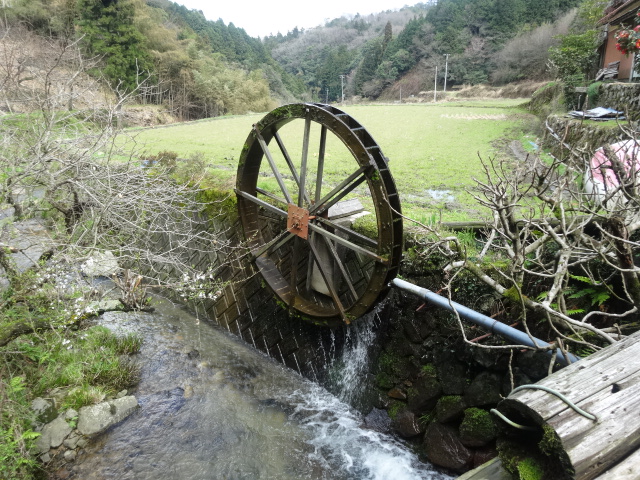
(342, 444)
(354, 363)
(214, 408)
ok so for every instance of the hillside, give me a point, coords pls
(160, 53)
(155, 52)
(380, 53)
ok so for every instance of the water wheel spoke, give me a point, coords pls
(348, 244)
(327, 280)
(287, 158)
(338, 262)
(271, 196)
(320, 172)
(357, 236)
(274, 244)
(310, 264)
(293, 280)
(339, 192)
(261, 203)
(302, 194)
(272, 164)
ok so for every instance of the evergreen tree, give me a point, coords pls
(108, 30)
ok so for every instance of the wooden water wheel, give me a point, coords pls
(320, 212)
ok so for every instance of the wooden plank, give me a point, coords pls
(345, 208)
(593, 446)
(492, 470)
(627, 469)
(583, 379)
(607, 385)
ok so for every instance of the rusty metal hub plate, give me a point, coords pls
(298, 221)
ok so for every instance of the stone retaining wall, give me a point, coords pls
(584, 137)
(621, 96)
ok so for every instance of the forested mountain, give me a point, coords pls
(174, 56)
(403, 48)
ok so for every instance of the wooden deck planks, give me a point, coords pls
(606, 384)
(627, 469)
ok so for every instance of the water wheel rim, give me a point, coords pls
(370, 168)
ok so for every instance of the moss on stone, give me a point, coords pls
(429, 369)
(478, 425)
(390, 363)
(448, 401)
(384, 381)
(530, 469)
(449, 407)
(394, 409)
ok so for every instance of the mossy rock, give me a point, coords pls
(449, 408)
(477, 428)
(384, 381)
(537, 455)
(428, 370)
(394, 408)
(394, 365)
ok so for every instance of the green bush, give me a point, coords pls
(16, 437)
(593, 93)
(576, 54)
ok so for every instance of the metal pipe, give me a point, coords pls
(492, 325)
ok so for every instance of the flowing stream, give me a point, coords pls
(214, 408)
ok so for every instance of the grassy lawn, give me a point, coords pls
(433, 149)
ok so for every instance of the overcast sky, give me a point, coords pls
(260, 18)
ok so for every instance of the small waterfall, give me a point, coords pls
(350, 378)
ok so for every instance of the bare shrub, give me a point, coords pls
(526, 55)
(563, 257)
(86, 177)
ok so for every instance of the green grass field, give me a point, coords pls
(434, 150)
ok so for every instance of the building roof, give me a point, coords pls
(620, 11)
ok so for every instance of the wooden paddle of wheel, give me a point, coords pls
(318, 265)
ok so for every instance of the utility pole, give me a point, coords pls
(326, 97)
(435, 85)
(446, 68)
(342, 87)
